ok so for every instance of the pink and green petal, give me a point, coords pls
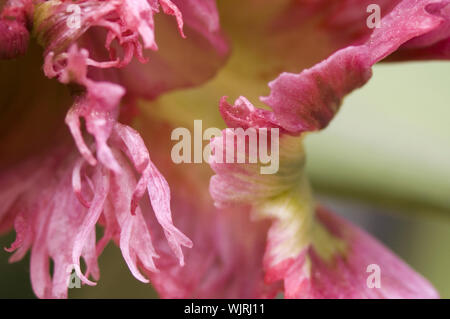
(346, 272)
(313, 253)
(303, 250)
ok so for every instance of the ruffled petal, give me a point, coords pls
(65, 231)
(309, 100)
(51, 219)
(98, 101)
(101, 189)
(135, 240)
(48, 219)
(156, 185)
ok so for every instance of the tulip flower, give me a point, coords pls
(222, 230)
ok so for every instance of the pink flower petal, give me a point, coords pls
(52, 216)
(101, 184)
(157, 188)
(347, 274)
(135, 239)
(309, 100)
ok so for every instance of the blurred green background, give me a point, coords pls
(384, 163)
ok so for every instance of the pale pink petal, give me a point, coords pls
(135, 240)
(130, 258)
(39, 268)
(138, 14)
(101, 184)
(98, 106)
(156, 185)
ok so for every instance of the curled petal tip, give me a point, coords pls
(82, 276)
